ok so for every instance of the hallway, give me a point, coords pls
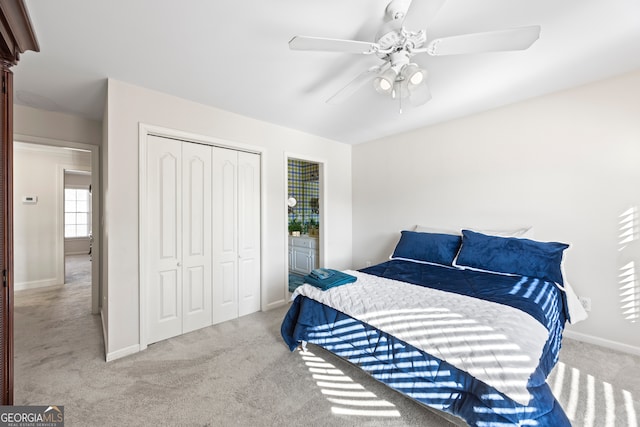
(52, 326)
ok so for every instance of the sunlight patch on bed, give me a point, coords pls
(414, 347)
(458, 330)
(499, 424)
(503, 411)
(347, 397)
(589, 402)
(457, 339)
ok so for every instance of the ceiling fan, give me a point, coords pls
(403, 36)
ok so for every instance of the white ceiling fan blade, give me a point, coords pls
(492, 41)
(421, 13)
(420, 94)
(332, 45)
(354, 85)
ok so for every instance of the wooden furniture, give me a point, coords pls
(16, 37)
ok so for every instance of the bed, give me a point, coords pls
(468, 324)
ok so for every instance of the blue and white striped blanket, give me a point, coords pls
(484, 358)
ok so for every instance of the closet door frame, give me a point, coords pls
(144, 131)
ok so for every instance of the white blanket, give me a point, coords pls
(498, 344)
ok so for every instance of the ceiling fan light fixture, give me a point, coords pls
(413, 74)
(417, 78)
(384, 82)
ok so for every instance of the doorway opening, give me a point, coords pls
(77, 226)
(304, 219)
(56, 215)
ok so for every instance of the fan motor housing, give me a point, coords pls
(396, 9)
(390, 39)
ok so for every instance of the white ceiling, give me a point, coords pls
(233, 55)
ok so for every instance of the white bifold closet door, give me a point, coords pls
(179, 237)
(236, 233)
(202, 236)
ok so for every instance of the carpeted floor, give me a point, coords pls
(241, 373)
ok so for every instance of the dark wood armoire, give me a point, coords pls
(16, 37)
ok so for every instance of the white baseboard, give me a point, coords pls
(118, 354)
(614, 345)
(275, 304)
(36, 284)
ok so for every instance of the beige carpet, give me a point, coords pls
(241, 373)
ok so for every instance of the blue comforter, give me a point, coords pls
(428, 379)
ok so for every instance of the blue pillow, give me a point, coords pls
(433, 248)
(511, 255)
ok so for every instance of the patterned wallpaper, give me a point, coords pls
(303, 186)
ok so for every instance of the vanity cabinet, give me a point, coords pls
(303, 254)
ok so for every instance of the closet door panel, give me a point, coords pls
(168, 287)
(194, 293)
(228, 285)
(225, 237)
(169, 207)
(196, 227)
(164, 238)
(248, 233)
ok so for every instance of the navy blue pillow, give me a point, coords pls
(434, 248)
(511, 255)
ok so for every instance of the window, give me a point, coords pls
(76, 212)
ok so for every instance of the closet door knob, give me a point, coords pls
(178, 264)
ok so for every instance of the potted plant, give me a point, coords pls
(312, 228)
(295, 227)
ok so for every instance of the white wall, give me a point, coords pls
(127, 107)
(51, 125)
(38, 236)
(567, 164)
